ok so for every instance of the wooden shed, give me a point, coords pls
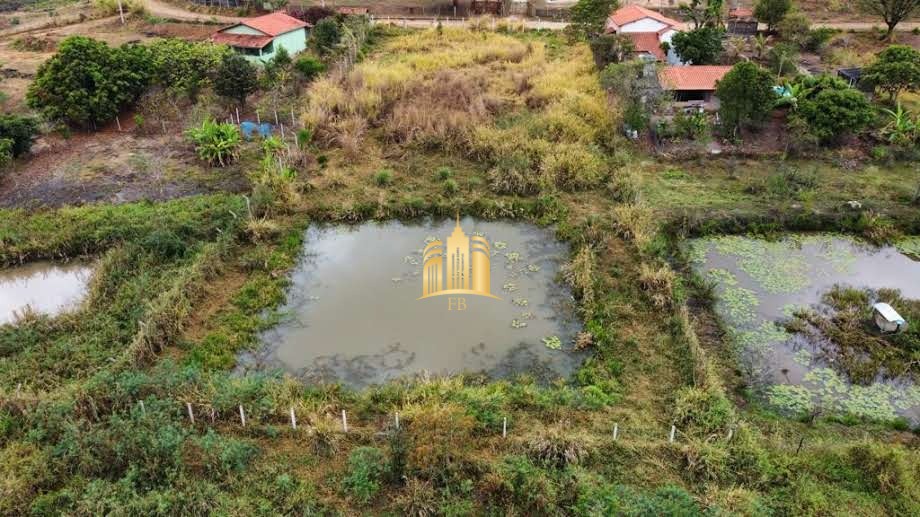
(741, 22)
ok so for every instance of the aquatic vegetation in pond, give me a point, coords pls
(520, 302)
(499, 245)
(803, 357)
(740, 304)
(510, 287)
(533, 268)
(513, 256)
(790, 398)
(518, 324)
(721, 277)
(553, 342)
(769, 263)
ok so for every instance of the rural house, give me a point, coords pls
(693, 85)
(259, 38)
(647, 29)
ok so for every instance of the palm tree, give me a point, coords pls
(760, 45)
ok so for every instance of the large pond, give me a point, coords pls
(759, 285)
(354, 315)
(44, 287)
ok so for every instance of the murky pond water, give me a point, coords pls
(354, 315)
(45, 287)
(761, 283)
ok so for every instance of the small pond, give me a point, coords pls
(759, 285)
(354, 315)
(45, 287)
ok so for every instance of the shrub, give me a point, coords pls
(835, 112)
(309, 67)
(184, 66)
(20, 131)
(451, 187)
(383, 178)
(702, 411)
(572, 167)
(218, 144)
(893, 472)
(6, 153)
(526, 485)
(326, 34)
(87, 83)
(365, 473)
(443, 173)
(795, 28)
(817, 38)
(236, 78)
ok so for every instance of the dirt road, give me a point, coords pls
(165, 10)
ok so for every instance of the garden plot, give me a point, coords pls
(762, 284)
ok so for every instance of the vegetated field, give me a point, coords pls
(525, 131)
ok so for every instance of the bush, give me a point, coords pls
(309, 67)
(526, 485)
(701, 46)
(451, 187)
(817, 38)
(383, 178)
(443, 173)
(746, 95)
(20, 131)
(365, 472)
(184, 66)
(702, 411)
(236, 78)
(218, 144)
(87, 83)
(325, 36)
(835, 112)
(795, 28)
(6, 153)
(572, 167)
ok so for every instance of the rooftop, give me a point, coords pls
(693, 77)
(241, 40)
(633, 13)
(273, 24)
(647, 42)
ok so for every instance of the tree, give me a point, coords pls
(19, 131)
(834, 110)
(326, 35)
(896, 69)
(611, 48)
(795, 28)
(708, 15)
(236, 79)
(746, 95)
(892, 11)
(183, 66)
(783, 58)
(772, 12)
(700, 46)
(87, 82)
(588, 17)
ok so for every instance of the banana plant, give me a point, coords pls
(902, 129)
(797, 92)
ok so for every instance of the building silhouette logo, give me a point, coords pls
(461, 267)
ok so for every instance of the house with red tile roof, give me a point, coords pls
(259, 38)
(695, 84)
(647, 29)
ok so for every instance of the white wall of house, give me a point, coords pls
(672, 56)
(643, 25)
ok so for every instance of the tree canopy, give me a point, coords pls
(771, 12)
(746, 95)
(88, 83)
(831, 109)
(236, 78)
(588, 17)
(892, 11)
(700, 46)
(896, 69)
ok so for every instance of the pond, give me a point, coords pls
(45, 287)
(354, 314)
(761, 283)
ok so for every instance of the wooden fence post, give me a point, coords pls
(344, 421)
(242, 416)
(293, 419)
(191, 415)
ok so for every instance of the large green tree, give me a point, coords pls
(701, 46)
(771, 12)
(183, 66)
(896, 69)
(588, 17)
(746, 96)
(236, 79)
(87, 82)
(892, 11)
(326, 35)
(703, 13)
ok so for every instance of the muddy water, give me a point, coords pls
(353, 313)
(45, 287)
(761, 283)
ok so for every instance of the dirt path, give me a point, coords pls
(164, 10)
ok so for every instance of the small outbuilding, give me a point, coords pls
(888, 319)
(693, 85)
(741, 22)
(258, 39)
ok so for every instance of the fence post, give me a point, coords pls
(143, 409)
(505, 427)
(397, 420)
(616, 431)
(191, 415)
(731, 432)
(344, 421)
(293, 120)
(671, 438)
(293, 419)
(118, 121)
(258, 118)
(237, 116)
(242, 416)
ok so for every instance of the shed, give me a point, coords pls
(853, 77)
(741, 21)
(693, 83)
(259, 38)
(888, 319)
